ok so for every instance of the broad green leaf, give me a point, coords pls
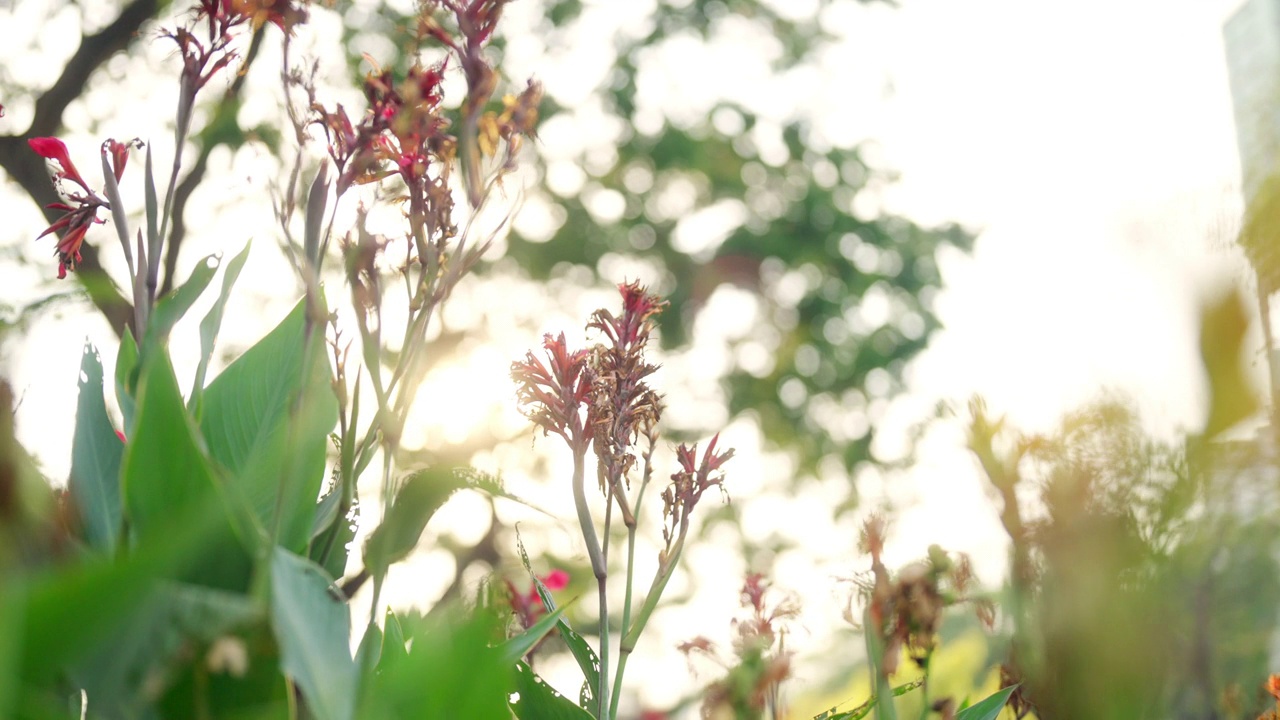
(313, 630)
(127, 379)
(67, 612)
(166, 473)
(164, 468)
(520, 645)
(95, 459)
(269, 428)
(539, 701)
(989, 707)
(212, 322)
(416, 501)
(150, 641)
(450, 672)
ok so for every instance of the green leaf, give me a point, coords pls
(539, 701)
(212, 322)
(393, 642)
(157, 636)
(175, 305)
(520, 645)
(326, 513)
(166, 473)
(151, 205)
(1224, 323)
(267, 418)
(95, 459)
(66, 613)
(989, 707)
(450, 672)
(313, 630)
(417, 500)
(582, 652)
(164, 468)
(127, 379)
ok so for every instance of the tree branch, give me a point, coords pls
(93, 51)
(29, 169)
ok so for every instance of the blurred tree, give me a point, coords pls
(1148, 571)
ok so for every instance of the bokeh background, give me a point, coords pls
(861, 213)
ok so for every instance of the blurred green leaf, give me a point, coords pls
(539, 701)
(520, 645)
(143, 647)
(1224, 321)
(211, 323)
(450, 672)
(96, 451)
(313, 629)
(267, 419)
(393, 642)
(166, 473)
(127, 379)
(989, 707)
(417, 500)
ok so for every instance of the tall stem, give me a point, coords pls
(597, 566)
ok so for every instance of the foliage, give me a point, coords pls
(201, 561)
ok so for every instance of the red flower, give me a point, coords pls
(556, 580)
(75, 222)
(633, 328)
(554, 396)
(119, 154)
(52, 148)
(528, 605)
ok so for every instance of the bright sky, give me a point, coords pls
(1092, 145)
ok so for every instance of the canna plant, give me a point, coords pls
(191, 567)
(598, 401)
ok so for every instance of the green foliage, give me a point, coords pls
(449, 671)
(211, 323)
(989, 707)
(416, 501)
(96, 451)
(539, 701)
(313, 629)
(266, 422)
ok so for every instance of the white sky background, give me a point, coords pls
(1092, 145)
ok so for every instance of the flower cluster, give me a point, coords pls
(906, 611)
(554, 393)
(687, 486)
(622, 404)
(80, 211)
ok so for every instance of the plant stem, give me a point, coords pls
(624, 652)
(597, 566)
